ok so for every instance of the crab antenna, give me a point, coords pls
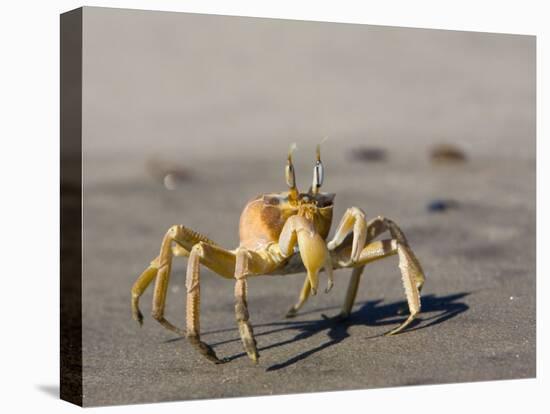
(290, 174)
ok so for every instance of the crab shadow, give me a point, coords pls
(370, 313)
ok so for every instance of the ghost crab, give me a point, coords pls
(280, 234)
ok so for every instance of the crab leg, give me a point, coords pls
(143, 281)
(352, 221)
(412, 274)
(304, 295)
(373, 251)
(201, 251)
(161, 284)
(159, 269)
(378, 225)
(177, 241)
(241, 306)
(411, 271)
(351, 293)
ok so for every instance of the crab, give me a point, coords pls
(280, 234)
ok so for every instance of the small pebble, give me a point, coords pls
(168, 174)
(447, 153)
(368, 154)
(439, 206)
(171, 181)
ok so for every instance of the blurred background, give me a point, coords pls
(186, 117)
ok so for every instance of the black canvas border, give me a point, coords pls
(71, 388)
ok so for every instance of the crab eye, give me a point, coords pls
(289, 170)
(290, 176)
(318, 174)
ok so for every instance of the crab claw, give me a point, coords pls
(315, 256)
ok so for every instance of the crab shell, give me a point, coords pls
(263, 218)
